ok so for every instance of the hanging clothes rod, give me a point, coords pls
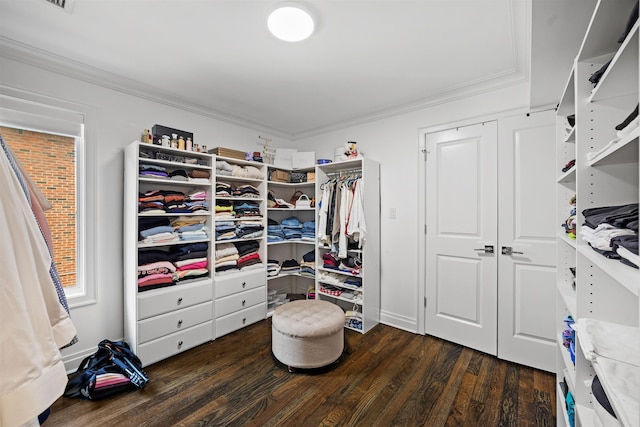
(344, 172)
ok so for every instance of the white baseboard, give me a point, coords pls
(397, 321)
(74, 355)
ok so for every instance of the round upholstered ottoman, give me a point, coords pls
(307, 333)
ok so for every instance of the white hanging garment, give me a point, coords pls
(34, 323)
(356, 226)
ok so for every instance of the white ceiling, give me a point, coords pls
(367, 59)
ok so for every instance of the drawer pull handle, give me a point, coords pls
(179, 300)
(244, 302)
(179, 343)
(244, 320)
(179, 322)
(244, 284)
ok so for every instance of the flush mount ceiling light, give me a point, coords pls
(291, 22)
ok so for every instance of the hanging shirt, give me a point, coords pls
(34, 323)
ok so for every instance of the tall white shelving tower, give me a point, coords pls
(606, 292)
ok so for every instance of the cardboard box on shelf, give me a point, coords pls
(278, 175)
(228, 152)
(311, 177)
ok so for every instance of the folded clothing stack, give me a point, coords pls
(613, 350)
(613, 232)
(159, 268)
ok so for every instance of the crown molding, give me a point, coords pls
(501, 81)
(36, 57)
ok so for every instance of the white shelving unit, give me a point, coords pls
(165, 319)
(290, 249)
(369, 303)
(240, 296)
(606, 290)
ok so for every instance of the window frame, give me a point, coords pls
(25, 110)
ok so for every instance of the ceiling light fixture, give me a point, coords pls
(291, 22)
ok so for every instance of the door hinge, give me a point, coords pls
(425, 302)
(425, 229)
(425, 152)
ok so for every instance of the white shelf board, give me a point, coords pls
(571, 378)
(613, 392)
(304, 169)
(284, 242)
(359, 302)
(341, 166)
(623, 151)
(562, 408)
(585, 415)
(568, 295)
(568, 176)
(341, 272)
(621, 76)
(567, 240)
(569, 367)
(239, 273)
(291, 184)
(281, 275)
(606, 23)
(571, 138)
(567, 104)
(627, 276)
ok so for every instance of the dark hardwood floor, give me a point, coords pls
(386, 377)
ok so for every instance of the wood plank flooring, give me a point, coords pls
(386, 377)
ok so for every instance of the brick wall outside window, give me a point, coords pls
(50, 162)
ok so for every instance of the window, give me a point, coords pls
(48, 140)
(50, 162)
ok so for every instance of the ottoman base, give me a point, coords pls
(300, 352)
(307, 334)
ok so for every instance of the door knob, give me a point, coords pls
(508, 250)
(488, 249)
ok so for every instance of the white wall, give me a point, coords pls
(119, 119)
(394, 142)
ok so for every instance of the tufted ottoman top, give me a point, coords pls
(308, 318)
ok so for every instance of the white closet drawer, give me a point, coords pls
(173, 298)
(169, 345)
(239, 282)
(240, 319)
(239, 301)
(179, 320)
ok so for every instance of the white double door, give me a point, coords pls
(491, 238)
